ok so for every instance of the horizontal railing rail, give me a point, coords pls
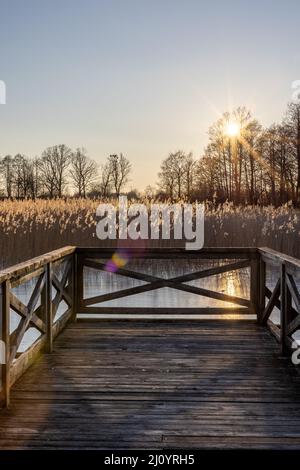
(43, 294)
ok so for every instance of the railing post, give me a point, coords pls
(254, 285)
(74, 286)
(284, 300)
(79, 282)
(261, 289)
(5, 337)
(48, 307)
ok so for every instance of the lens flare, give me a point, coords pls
(232, 129)
(117, 261)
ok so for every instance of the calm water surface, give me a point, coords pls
(100, 282)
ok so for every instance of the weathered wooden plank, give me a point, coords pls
(294, 291)
(293, 325)
(154, 384)
(274, 329)
(254, 285)
(61, 289)
(47, 301)
(5, 337)
(279, 258)
(79, 283)
(22, 310)
(26, 359)
(25, 321)
(168, 311)
(204, 253)
(262, 289)
(74, 287)
(226, 442)
(212, 294)
(271, 304)
(212, 271)
(15, 282)
(165, 283)
(34, 264)
(98, 265)
(283, 309)
(124, 293)
(60, 286)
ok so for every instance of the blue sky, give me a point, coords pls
(140, 77)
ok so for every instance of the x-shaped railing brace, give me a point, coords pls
(174, 283)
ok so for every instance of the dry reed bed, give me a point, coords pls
(29, 228)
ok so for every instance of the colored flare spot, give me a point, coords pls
(118, 260)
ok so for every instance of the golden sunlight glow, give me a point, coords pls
(232, 129)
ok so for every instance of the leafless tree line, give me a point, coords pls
(257, 166)
(60, 169)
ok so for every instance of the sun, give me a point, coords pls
(232, 129)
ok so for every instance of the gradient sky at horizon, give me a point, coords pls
(140, 77)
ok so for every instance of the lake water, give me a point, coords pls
(96, 282)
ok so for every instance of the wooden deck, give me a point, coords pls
(156, 384)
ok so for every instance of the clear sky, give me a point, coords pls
(142, 77)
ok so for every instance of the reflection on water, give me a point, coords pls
(235, 283)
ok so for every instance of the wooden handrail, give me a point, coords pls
(33, 264)
(278, 258)
(204, 253)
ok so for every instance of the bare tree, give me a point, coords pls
(106, 180)
(83, 171)
(119, 168)
(20, 176)
(189, 174)
(36, 178)
(293, 122)
(176, 175)
(53, 165)
(6, 167)
(167, 178)
(47, 170)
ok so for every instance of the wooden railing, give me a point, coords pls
(282, 296)
(55, 292)
(232, 259)
(46, 292)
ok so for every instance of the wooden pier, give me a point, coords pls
(88, 382)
